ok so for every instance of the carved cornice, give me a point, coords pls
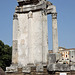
(25, 2)
(27, 8)
(45, 6)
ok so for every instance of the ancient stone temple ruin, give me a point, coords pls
(30, 40)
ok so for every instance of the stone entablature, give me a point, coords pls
(45, 6)
(23, 2)
(27, 8)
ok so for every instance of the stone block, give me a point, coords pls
(54, 57)
(58, 67)
(72, 56)
(26, 69)
(39, 68)
(51, 58)
(58, 56)
(12, 68)
(33, 69)
(72, 67)
(19, 70)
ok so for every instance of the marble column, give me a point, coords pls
(35, 37)
(15, 41)
(23, 34)
(45, 39)
(54, 33)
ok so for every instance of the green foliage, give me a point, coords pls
(5, 55)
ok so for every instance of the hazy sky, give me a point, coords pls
(66, 22)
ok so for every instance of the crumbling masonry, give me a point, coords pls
(30, 40)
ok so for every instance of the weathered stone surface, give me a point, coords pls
(30, 44)
(54, 58)
(54, 63)
(27, 1)
(58, 67)
(26, 69)
(51, 9)
(35, 5)
(22, 0)
(35, 38)
(23, 39)
(72, 57)
(15, 52)
(30, 36)
(51, 58)
(12, 68)
(39, 67)
(27, 8)
(15, 41)
(72, 67)
(45, 72)
(45, 39)
(54, 33)
(15, 26)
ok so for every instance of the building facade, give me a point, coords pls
(65, 54)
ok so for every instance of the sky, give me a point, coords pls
(65, 18)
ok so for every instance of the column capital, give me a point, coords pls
(54, 15)
(15, 16)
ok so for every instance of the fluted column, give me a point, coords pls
(45, 39)
(15, 41)
(35, 37)
(54, 33)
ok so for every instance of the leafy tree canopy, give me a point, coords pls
(5, 55)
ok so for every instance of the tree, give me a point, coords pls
(5, 55)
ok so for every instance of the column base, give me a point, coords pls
(44, 72)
